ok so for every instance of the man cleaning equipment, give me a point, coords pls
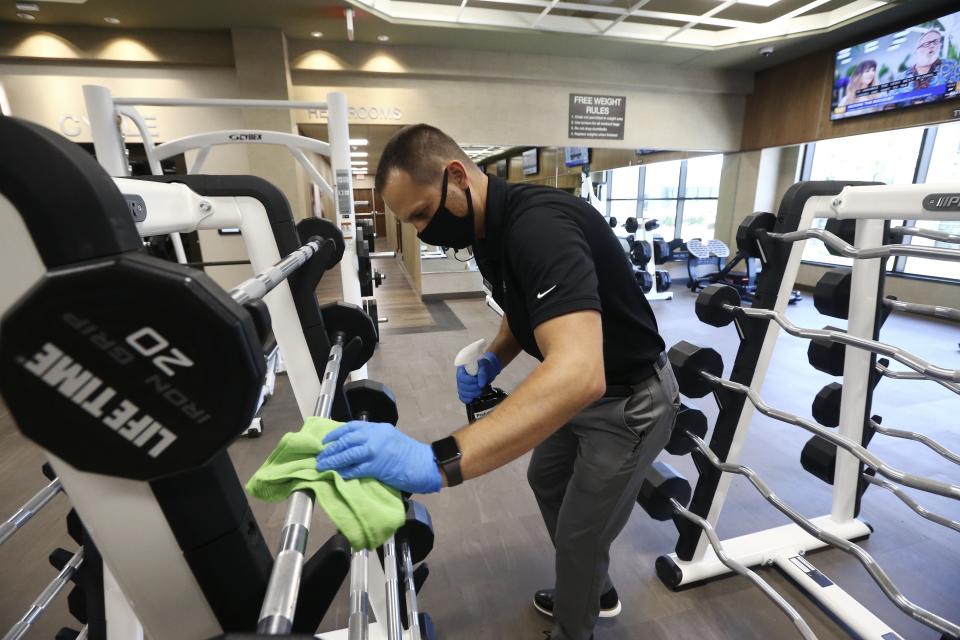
(596, 411)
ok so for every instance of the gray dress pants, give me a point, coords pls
(586, 477)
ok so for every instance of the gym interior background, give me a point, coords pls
(725, 106)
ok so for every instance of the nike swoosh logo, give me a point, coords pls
(543, 293)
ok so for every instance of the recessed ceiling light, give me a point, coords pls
(26, 16)
(383, 38)
(28, 6)
(316, 34)
(111, 20)
(358, 142)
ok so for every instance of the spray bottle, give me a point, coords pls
(491, 396)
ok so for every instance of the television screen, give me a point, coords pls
(530, 166)
(916, 65)
(576, 156)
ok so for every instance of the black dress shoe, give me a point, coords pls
(609, 603)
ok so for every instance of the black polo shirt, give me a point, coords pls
(547, 253)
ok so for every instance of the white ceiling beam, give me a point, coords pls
(543, 14)
(626, 15)
(709, 14)
(463, 5)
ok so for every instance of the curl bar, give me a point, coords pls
(29, 509)
(836, 243)
(861, 453)
(826, 410)
(875, 571)
(718, 305)
(931, 310)
(46, 597)
(917, 437)
(887, 372)
(738, 568)
(929, 234)
(919, 509)
(280, 601)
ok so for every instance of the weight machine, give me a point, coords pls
(122, 347)
(105, 113)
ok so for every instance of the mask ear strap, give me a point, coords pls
(443, 190)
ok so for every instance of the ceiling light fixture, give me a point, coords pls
(349, 16)
(383, 38)
(358, 154)
(316, 34)
(28, 6)
(26, 16)
(358, 142)
(111, 20)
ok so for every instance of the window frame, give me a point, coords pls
(641, 199)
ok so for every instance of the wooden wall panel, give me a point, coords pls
(791, 104)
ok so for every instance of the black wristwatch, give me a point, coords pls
(446, 452)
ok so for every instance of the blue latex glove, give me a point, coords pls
(470, 387)
(379, 450)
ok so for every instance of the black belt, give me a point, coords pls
(645, 373)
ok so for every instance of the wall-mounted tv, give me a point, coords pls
(916, 65)
(576, 156)
(530, 165)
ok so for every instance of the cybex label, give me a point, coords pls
(942, 202)
(101, 401)
(246, 137)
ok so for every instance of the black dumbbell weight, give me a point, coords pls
(688, 420)
(688, 360)
(662, 484)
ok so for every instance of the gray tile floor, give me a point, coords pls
(492, 551)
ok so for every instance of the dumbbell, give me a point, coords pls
(644, 279)
(712, 302)
(688, 361)
(371, 401)
(662, 484)
(826, 355)
(631, 225)
(747, 234)
(640, 253)
(688, 420)
(663, 280)
(613, 222)
(661, 250)
(650, 225)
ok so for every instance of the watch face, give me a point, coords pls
(446, 450)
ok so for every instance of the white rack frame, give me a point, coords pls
(785, 546)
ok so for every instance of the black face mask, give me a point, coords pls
(447, 230)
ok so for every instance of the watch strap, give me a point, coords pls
(450, 464)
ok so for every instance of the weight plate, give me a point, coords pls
(309, 227)
(351, 321)
(131, 367)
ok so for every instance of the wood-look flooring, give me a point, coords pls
(492, 551)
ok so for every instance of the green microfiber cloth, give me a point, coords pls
(366, 511)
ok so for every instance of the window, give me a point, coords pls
(889, 157)
(701, 190)
(680, 194)
(905, 156)
(944, 166)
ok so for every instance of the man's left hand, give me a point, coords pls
(379, 450)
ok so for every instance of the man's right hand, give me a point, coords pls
(470, 387)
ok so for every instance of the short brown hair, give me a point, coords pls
(421, 151)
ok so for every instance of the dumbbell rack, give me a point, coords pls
(867, 209)
(647, 262)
